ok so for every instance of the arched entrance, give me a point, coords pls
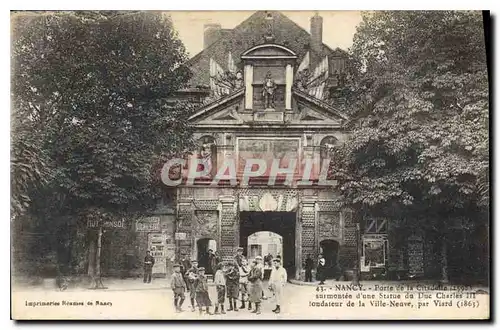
(203, 245)
(279, 224)
(330, 249)
(267, 244)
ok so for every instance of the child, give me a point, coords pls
(178, 286)
(201, 288)
(220, 282)
(277, 282)
(232, 286)
(244, 281)
(192, 276)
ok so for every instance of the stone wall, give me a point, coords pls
(348, 252)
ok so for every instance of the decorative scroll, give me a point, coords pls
(224, 82)
(313, 83)
(286, 200)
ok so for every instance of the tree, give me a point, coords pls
(419, 102)
(98, 86)
(30, 166)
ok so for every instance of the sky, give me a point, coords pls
(338, 26)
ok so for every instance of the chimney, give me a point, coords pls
(211, 32)
(316, 33)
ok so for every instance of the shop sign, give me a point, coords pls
(116, 224)
(150, 224)
(180, 236)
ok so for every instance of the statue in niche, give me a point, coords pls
(327, 146)
(238, 82)
(207, 154)
(268, 91)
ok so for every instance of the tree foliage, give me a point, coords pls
(418, 100)
(93, 88)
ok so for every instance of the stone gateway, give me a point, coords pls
(286, 129)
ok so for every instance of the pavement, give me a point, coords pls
(129, 299)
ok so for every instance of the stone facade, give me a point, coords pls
(256, 110)
(316, 219)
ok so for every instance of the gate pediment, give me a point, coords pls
(307, 112)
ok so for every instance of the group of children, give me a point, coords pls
(234, 280)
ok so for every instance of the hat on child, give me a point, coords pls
(277, 259)
(176, 265)
(240, 249)
(258, 258)
(201, 268)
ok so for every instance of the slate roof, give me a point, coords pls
(248, 34)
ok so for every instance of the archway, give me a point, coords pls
(329, 249)
(267, 244)
(281, 224)
(203, 245)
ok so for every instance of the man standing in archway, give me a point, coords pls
(211, 262)
(321, 270)
(309, 265)
(277, 282)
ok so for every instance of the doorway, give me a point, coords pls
(203, 245)
(281, 224)
(329, 250)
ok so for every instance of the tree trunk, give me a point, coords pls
(357, 271)
(98, 255)
(444, 261)
(92, 256)
(95, 265)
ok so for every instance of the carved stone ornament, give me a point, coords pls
(206, 222)
(268, 203)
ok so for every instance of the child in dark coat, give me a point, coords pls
(201, 289)
(178, 286)
(232, 285)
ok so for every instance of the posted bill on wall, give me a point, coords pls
(270, 168)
